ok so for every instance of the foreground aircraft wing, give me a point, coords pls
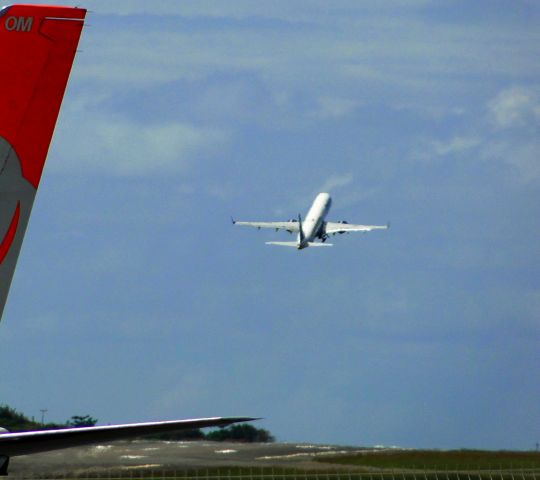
(37, 47)
(23, 443)
(336, 227)
(290, 226)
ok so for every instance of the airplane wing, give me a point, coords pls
(23, 443)
(290, 226)
(336, 227)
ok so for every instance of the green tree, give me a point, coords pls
(243, 432)
(14, 421)
(81, 421)
(194, 434)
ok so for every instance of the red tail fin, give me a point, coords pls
(37, 47)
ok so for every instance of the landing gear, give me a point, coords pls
(4, 462)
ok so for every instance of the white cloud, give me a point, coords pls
(116, 146)
(509, 137)
(335, 107)
(302, 201)
(336, 181)
(237, 9)
(515, 107)
(336, 49)
(523, 156)
(456, 145)
(513, 140)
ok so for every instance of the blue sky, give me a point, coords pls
(135, 298)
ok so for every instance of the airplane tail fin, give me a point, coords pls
(301, 236)
(37, 48)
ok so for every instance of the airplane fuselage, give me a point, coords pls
(313, 226)
(313, 223)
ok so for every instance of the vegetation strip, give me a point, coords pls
(443, 460)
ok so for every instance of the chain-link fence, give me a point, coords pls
(281, 474)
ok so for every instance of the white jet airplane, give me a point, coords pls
(314, 226)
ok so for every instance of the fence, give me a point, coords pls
(282, 474)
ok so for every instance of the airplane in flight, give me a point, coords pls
(37, 48)
(313, 227)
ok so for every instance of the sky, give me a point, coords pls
(147, 304)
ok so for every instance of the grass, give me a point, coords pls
(283, 473)
(369, 465)
(469, 460)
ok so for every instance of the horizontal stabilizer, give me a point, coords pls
(284, 244)
(295, 244)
